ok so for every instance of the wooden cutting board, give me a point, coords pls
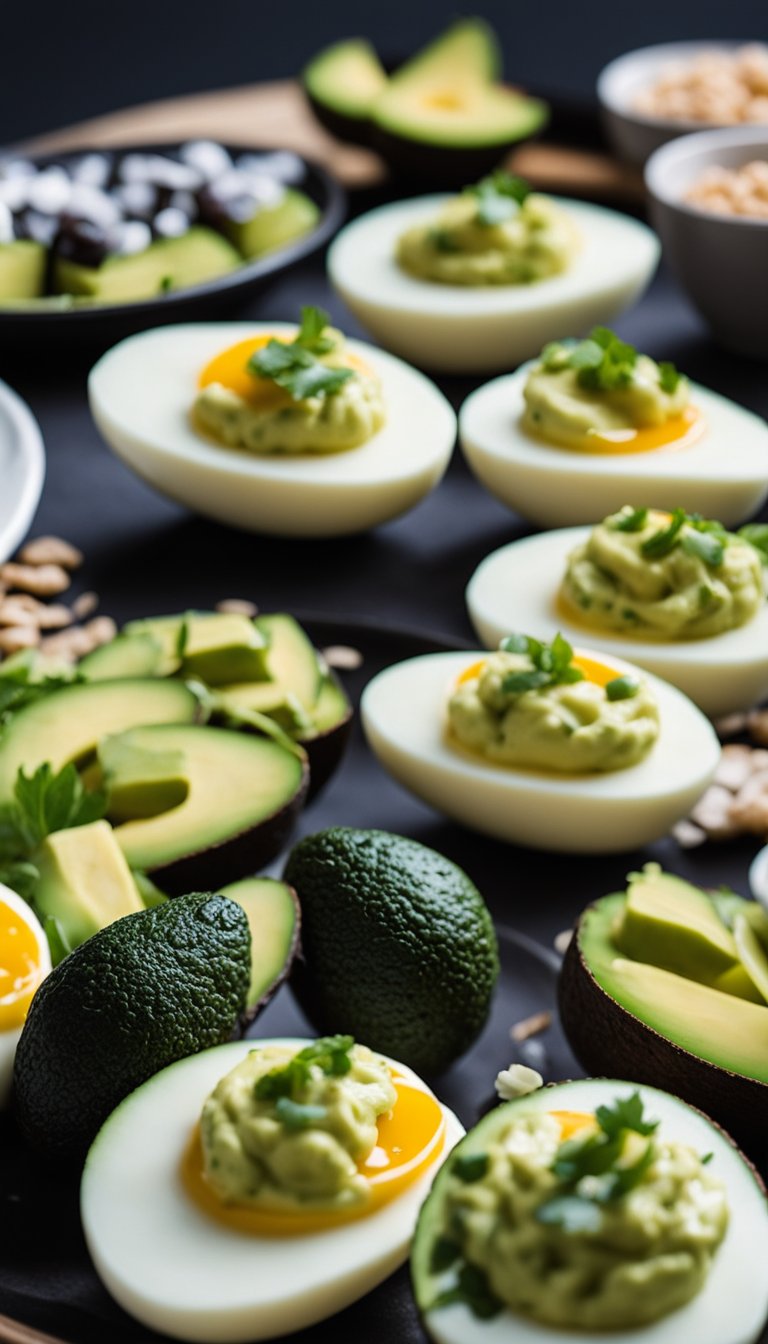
(277, 114)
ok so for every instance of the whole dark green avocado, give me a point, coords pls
(147, 990)
(397, 945)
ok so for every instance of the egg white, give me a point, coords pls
(723, 474)
(475, 328)
(403, 713)
(9, 1039)
(141, 393)
(180, 1272)
(731, 1307)
(515, 588)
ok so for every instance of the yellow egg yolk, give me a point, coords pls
(680, 431)
(20, 970)
(230, 369)
(573, 1123)
(410, 1137)
(599, 673)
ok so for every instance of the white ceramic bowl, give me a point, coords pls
(720, 260)
(469, 329)
(634, 135)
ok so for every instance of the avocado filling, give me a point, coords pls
(287, 1130)
(498, 232)
(306, 395)
(532, 704)
(579, 1221)
(672, 576)
(578, 391)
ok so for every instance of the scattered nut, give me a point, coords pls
(237, 606)
(713, 813)
(343, 657)
(100, 630)
(562, 941)
(530, 1026)
(42, 580)
(13, 638)
(757, 723)
(688, 835)
(730, 725)
(517, 1081)
(68, 644)
(51, 551)
(734, 767)
(84, 605)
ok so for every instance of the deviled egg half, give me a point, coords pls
(594, 1209)
(593, 423)
(543, 746)
(274, 428)
(25, 960)
(478, 282)
(259, 1187)
(679, 596)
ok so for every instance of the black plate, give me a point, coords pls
(101, 325)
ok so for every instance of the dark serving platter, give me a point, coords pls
(97, 326)
(46, 1279)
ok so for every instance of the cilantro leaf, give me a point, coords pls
(631, 520)
(625, 1113)
(313, 324)
(668, 377)
(295, 366)
(570, 1212)
(625, 1179)
(499, 197)
(757, 535)
(42, 803)
(551, 664)
(663, 541)
(471, 1288)
(329, 1053)
(706, 546)
(470, 1167)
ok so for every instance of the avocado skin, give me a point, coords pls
(397, 945)
(609, 1041)
(147, 990)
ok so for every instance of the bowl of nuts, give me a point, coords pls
(655, 94)
(708, 200)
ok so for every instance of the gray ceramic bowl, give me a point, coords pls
(720, 260)
(633, 135)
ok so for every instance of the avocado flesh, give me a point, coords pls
(672, 924)
(273, 918)
(137, 655)
(167, 264)
(467, 52)
(141, 783)
(753, 955)
(720, 1028)
(85, 883)
(218, 646)
(346, 78)
(236, 783)
(152, 988)
(67, 725)
(265, 697)
(332, 707)
(274, 226)
(291, 657)
(22, 269)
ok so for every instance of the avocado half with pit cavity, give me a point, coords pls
(654, 1025)
(241, 796)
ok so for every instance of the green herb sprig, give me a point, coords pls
(757, 535)
(330, 1054)
(704, 538)
(603, 362)
(20, 686)
(499, 197)
(552, 664)
(43, 802)
(296, 365)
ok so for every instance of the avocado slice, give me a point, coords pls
(141, 783)
(342, 83)
(243, 794)
(273, 915)
(149, 989)
(670, 923)
(22, 269)
(67, 725)
(652, 1025)
(274, 225)
(291, 657)
(127, 655)
(265, 697)
(85, 882)
(168, 263)
(215, 646)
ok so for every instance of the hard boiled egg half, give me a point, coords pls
(477, 329)
(197, 1271)
(404, 716)
(517, 587)
(25, 960)
(713, 461)
(731, 1306)
(141, 393)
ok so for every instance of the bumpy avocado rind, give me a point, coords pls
(398, 947)
(150, 989)
(654, 1025)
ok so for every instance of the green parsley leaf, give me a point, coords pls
(757, 535)
(470, 1167)
(444, 1253)
(296, 1116)
(603, 361)
(706, 546)
(625, 1113)
(622, 688)
(663, 541)
(551, 664)
(473, 1290)
(625, 1178)
(329, 1053)
(313, 323)
(633, 520)
(443, 241)
(42, 802)
(570, 1212)
(499, 197)
(668, 377)
(294, 365)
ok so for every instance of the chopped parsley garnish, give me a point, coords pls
(622, 688)
(43, 802)
(757, 535)
(571, 1212)
(330, 1054)
(296, 1115)
(703, 537)
(471, 1288)
(499, 197)
(629, 520)
(552, 664)
(471, 1167)
(604, 363)
(296, 365)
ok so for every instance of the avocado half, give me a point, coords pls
(443, 117)
(647, 1024)
(274, 919)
